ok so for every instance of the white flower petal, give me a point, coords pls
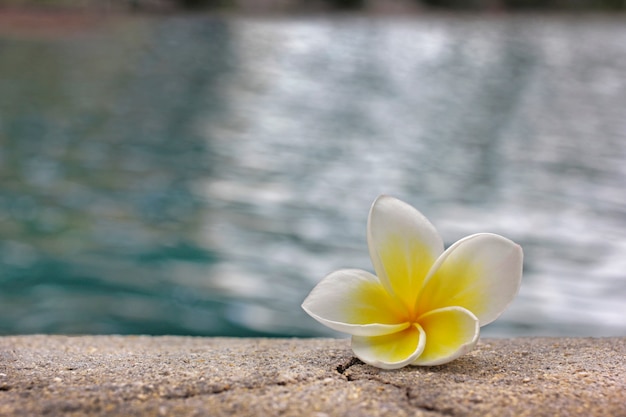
(481, 273)
(355, 302)
(450, 333)
(403, 246)
(391, 351)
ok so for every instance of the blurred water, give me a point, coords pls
(198, 175)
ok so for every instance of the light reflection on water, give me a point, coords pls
(199, 175)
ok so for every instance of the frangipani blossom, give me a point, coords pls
(424, 306)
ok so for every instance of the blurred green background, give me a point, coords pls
(198, 173)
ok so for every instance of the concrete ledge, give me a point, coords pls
(176, 376)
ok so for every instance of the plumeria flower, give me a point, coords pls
(424, 306)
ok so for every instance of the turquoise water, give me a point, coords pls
(198, 175)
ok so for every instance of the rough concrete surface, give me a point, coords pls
(187, 376)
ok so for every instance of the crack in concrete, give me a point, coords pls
(411, 400)
(353, 361)
(191, 390)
